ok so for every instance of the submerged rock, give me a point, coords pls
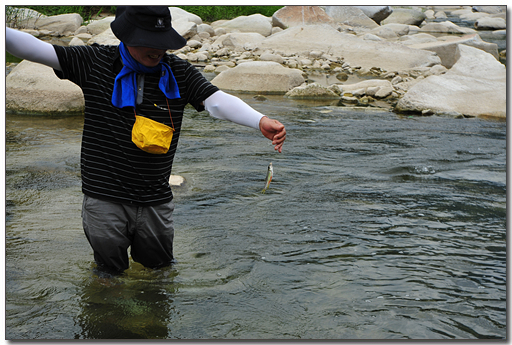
(176, 181)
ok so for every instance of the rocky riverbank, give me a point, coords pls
(407, 60)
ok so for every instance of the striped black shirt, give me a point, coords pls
(113, 168)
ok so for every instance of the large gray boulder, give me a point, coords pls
(467, 14)
(391, 31)
(185, 28)
(350, 15)
(289, 16)
(96, 27)
(32, 88)
(491, 23)
(475, 86)
(179, 14)
(255, 23)
(446, 28)
(376, 13)
(206, 28)
(265, 77)
(22, 18)
(355, 51)
(59, 25)
(447, 48)
(490, 9)
(405, 16)
(107, 38)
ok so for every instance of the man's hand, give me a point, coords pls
(273, 130)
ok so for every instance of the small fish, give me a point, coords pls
(270, 173)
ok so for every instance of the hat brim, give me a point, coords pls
(136, 37)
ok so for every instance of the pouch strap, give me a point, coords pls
(168, 108)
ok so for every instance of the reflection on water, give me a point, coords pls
(375, 226)
(119, 308)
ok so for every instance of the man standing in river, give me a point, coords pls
(127, 196)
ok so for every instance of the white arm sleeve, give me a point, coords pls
(227, 107)
(26, 46)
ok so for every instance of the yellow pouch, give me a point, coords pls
(151, 136)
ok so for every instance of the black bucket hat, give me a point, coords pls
(146, 26)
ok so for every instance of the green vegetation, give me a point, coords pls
(207, 13)
(11, 58)
(213, 13)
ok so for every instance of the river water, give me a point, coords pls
(375, 226)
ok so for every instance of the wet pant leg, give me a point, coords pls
(153, 236)
(106, 226)
(111, 228)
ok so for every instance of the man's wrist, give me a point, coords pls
(263, 117)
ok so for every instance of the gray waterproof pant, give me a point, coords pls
(111, 228)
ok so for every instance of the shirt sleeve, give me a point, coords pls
(198, 87)
(76, 63)
(228, 107)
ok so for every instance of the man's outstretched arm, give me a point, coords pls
(228, 107)
(25, 46)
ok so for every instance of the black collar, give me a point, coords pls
(117, 65)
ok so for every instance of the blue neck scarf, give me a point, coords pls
(125, 84)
